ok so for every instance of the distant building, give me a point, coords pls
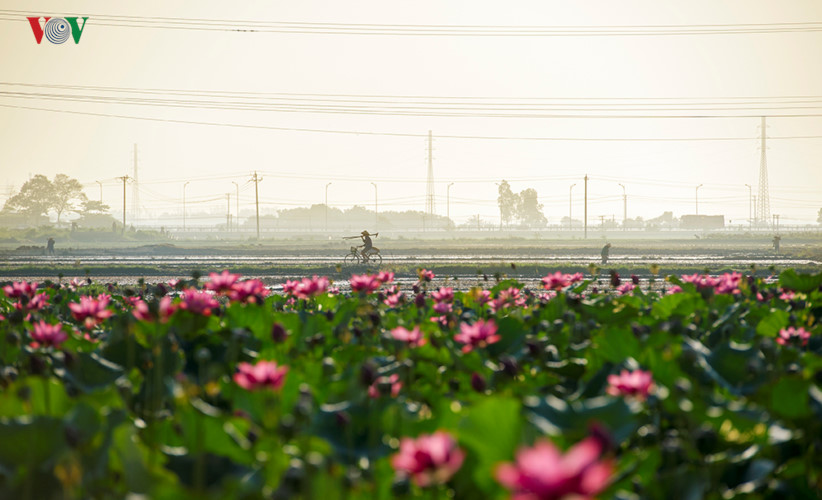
(702, 222)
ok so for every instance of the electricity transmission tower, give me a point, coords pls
(429, 188)
(763, 209)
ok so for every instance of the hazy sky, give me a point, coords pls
(403, 79)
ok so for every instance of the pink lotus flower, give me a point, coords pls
(443, 307)
(413, 337)
(173, 283)
(636, 384)
(20, 288)
(394, 299)
(36, 303)
(544, 473)
(790, 333)
(385, 277)
(558, 280)
(393, 380)
(47, 335)
(674, 289)
(480, 334)
(444, 294)
(198, 302)
(483, 297)
(131, 301)
(76, 283)
(165, 309)
(787, 295)
(364, 283)
(429, 459)
(442, 320)
(507, 298)
(546, 296)
(425, 274)
(264, 374)
(625, 288)
(729, 283)
(91, 311)
(248, 291)
(700, 281)
(221, 283)
(289, 286)
(309, 287)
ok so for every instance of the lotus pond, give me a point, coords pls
(690, 387)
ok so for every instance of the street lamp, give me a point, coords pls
(101, 191)
(326, 206)
(750, 212)
(570, 208)
(624, 206)
(697, 199)
(184, 205)
(237, 205)
(376, 205)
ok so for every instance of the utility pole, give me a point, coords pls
(586, 207)
(376, 206)
(228, 212)
(624, 207)
(448, 201)
(237, 205)
(184, 204)
(101, 191)
(256, 180)
(571, 207)
(135, 191)
(697, 198)
(750, 211)
(776, 225)
(124, 178)
(326, 206)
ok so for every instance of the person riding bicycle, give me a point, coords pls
(367, 244)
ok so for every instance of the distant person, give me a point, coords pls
(50, 246)
(367, 245)
(606, 250)
(114, 227)
(776, 240)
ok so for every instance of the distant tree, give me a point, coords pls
(94, 207)
(508, 202)
(35, 198)
(67, 192)
(529, 209)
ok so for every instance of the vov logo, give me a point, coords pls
(57, 29)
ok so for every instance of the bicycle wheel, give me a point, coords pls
(351, 259)
(375, 259)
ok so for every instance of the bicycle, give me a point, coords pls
(355, 257)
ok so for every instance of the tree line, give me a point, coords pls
(40, 196)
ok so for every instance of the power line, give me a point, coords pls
(247, 93)
(154, 22)
(399, 134)
(718, 110)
